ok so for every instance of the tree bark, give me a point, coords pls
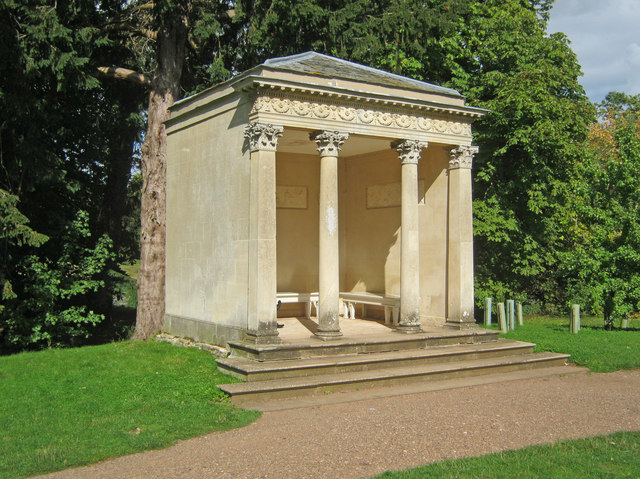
(165, 88)
(125, 74)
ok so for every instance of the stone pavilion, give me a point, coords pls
(310, 186)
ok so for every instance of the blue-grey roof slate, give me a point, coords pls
(330, 67)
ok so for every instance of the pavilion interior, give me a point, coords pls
(369, 215)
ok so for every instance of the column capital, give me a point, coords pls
(329, 142)
(263, 136)
(462, 156)
(409, 150)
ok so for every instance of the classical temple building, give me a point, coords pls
(311, 187)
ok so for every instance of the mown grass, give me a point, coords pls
(68, 407)
(127, 288)
(131, 269)
(611, 456)
(593, 346)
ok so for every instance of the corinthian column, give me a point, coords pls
(262, 326)
(460, 300)
(329, 143)
(409, 152)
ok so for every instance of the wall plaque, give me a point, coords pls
(294, 197)
(389, 195)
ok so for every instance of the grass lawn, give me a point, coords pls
(612, 456)
(68, 407)
(131, 269)
(593, 347)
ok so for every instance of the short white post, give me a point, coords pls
(575, 318)
(519, 313)
(502, 318)
(511, 313)
(487, 311)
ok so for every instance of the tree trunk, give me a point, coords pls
(165, 87)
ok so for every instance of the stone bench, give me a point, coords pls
(390, 303)
(308, 298)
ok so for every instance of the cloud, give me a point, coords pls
(603, 33)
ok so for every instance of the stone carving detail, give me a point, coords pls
(262, 136)
(462, 156)
(329, 142)
(322, 111)
(409, 150)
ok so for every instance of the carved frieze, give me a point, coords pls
(262, 136)
(462, 156)
(303, 108)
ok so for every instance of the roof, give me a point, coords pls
(326, 66)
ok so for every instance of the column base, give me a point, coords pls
(408, 329)
(327, 335)
(461, 325)
(257, 338)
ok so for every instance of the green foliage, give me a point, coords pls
(15, 233)
(67, 149)
(530, 142)
(610, 456)
(602, 261)
(406, 37)
(48, 307)
(69, 407)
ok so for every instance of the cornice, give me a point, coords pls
(265, 87)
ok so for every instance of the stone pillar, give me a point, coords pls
(409, 152)
(329, 143)
(460, 300)
(262, 326)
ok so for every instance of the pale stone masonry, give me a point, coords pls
(313, 175)
(329, 143)
(409, 152)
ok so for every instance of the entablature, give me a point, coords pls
(299, 106)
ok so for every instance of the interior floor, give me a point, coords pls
(296, 329)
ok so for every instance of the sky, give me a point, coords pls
(605, 34)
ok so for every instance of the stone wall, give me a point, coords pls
(207, 223)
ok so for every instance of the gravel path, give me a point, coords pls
(364, 438)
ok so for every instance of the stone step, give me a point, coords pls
(251, 370)
(409, 388)
(350, 381)
(312, 347)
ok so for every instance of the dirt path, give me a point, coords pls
(364, 438)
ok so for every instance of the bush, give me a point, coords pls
(49, 305)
